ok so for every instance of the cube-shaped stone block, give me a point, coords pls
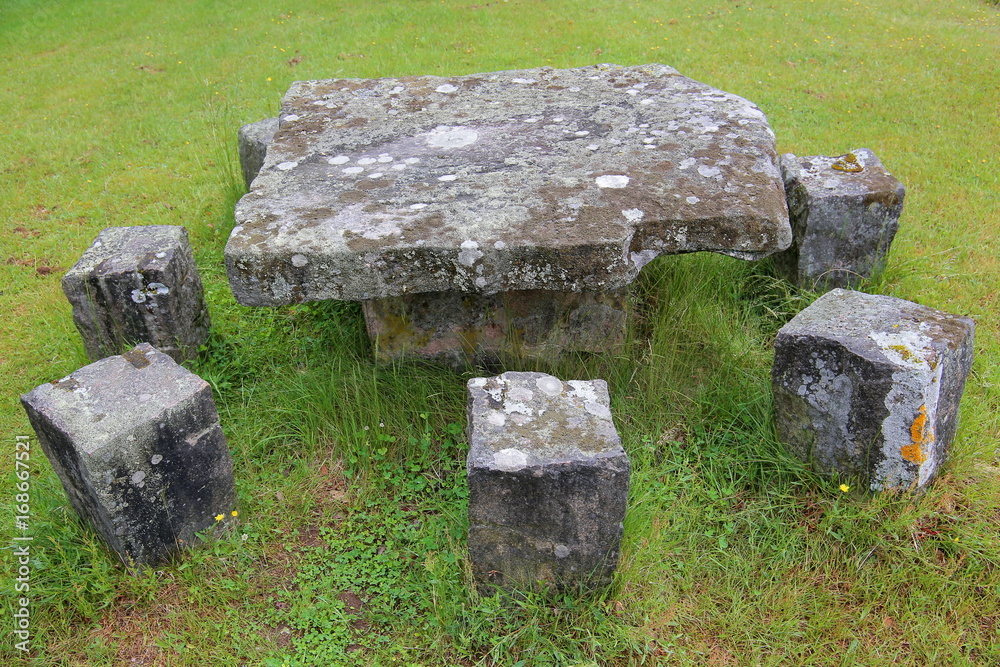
(138, 285)
(844, 213)
(136, 442)
(461, 328)
(548, 482)
(868, 387)
(252, 141)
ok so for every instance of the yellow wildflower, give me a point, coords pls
(845, 488)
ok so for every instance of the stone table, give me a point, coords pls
(504, 211)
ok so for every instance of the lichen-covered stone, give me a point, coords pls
(548, 482)
(564, 180)
(252, 143)
(138, 285)
(459, 329)
(844, 214)
(869, 386)
(136, 442)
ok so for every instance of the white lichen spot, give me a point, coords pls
(377, 174)
(633, 214)
(157, 289)
(709, 172)
(477, 383)
(367, 161)
(513, 408)
(496, 418)
(451, 137)
(592, 147)
(510, 459)
(692, 200)
(499, 245)
(597, 409)
(687, 163)
(616, 181)
(399, 167)
(340, 159)
(299, 260)
(156, 458)
(549, 385)
(642, 258)
(581, 133)
(417, 207)
(582, 389)
(631, 91)
(523, 81)
(561, 551)
(446, 88)
(385, 157)
(138, 477)
(397, 90)
(647, 101)
(139, 296)
(908, 348)
(448, 177)
(520, 394)
(480, 281)
(287, 166)
(353, 170)
(648, 140)
(411, 160)
(291, 118)
(531, 120)
(161, 255)
(469, 253)
(558, 119)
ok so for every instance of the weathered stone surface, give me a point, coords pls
(459, 329)
(565, 180)
(869, 386)
(548, 482)
(138, 284)
(252, 143)
(136, 442)
(844, 213)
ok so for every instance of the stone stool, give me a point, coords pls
(868, 387)
(135, 285)
(252, 141)
(136, 441)
(548, 482)
(844, 213)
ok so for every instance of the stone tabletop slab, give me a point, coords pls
(566, 180)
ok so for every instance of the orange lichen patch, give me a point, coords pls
(921, 433)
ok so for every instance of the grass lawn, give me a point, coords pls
(349, 547)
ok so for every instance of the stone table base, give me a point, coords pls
(459, 328)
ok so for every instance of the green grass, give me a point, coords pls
(350, 545)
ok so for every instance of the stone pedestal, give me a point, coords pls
(548, 482)
(459, 329)
(844, 213)
(136, 442)
(138, 285)
(252, 141)
(869, 387)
